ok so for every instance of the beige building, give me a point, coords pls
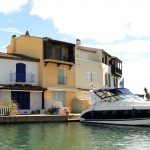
(56, 66)
(95, 69)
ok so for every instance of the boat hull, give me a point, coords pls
(132, 122)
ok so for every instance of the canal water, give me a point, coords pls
(73, 136)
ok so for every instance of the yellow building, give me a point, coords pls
(56, 66)
(95, 69)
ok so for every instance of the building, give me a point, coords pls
(19, 82)
(56, 67)
(95, 69)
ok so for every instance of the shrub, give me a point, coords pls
(53, 110)
(9, 103)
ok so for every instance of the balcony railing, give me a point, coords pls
(62, 80)
(18, 77)
(119, 71)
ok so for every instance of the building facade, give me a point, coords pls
(19, 82)
(56, 69)
(95, 69)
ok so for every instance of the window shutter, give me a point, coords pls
(93, 76)
(88, 76)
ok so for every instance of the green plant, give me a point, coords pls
(53, 110)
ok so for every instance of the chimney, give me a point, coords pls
(12, 46)
(27, 33)
(78, 42)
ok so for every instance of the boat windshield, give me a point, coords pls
(117, 94)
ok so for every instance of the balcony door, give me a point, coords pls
(20, 72)
(58, 54)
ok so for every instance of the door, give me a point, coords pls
(77, 107)
(57, 54)
(22, 99)
(20, 72)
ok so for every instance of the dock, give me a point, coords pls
(39, 118)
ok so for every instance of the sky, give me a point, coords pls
(120, 27)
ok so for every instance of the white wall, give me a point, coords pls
(8, 66)
(5, 95)
(35, 101)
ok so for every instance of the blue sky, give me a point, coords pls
(120, 27)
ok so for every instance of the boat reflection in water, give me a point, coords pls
(117, 106)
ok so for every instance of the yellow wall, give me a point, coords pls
(50, 76)
(70, 96)
(83, 66)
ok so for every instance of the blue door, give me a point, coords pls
(21, 98)
(20, 72)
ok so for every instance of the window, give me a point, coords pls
(47, 50)
(59, 96)
(88, 76)
(61, 76)
(91, 76)
(84, 55)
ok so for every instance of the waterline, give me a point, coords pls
(73, 136)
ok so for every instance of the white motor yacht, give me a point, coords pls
(117, 106)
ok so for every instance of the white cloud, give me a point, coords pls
(9, 6)
(135, 47)
(137, 75)
(101, 20)
(12, 30)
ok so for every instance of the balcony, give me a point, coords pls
(22, 78)
(62, 80)
(116, 66)
(58, 52)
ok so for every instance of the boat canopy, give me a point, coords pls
(113, 92)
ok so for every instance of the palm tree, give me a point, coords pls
(146, 93)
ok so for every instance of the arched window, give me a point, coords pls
(20, 72)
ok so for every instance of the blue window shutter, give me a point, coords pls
(20, 72)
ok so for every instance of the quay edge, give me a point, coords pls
(37, 118)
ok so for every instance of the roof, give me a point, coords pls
(87, 48)
(90, 49)
(63, 42)
(21, 87)
(18, 57)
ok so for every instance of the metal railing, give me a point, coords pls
(17, 77)
(4, 110)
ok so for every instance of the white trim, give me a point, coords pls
(61, 89)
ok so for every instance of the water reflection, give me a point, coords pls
(73, 136)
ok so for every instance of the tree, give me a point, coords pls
(146, 93)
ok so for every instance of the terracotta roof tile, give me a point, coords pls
(18, 57)
(21, 87)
